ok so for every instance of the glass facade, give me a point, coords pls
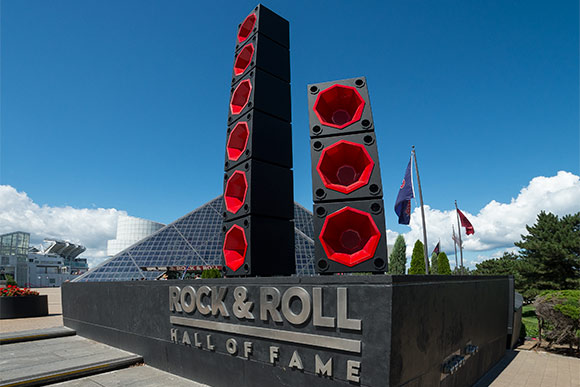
(194, 239)
(14, 255)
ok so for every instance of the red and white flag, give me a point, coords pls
(465, 223)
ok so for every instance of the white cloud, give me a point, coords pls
(88, 227)
(498, 225)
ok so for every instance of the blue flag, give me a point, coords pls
(403, 203)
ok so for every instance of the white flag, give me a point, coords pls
(455, 238)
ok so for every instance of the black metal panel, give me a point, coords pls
(267, 55)
(376, 263)
(269, 24)
(266, 238)
(268, 94)
(269, 190)
(372, 189)
(269, 140)
(364, 124)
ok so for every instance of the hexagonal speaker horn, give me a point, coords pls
(261, 91)
(265, 22)
(258, 246)
(258, 188)
(261, 137)
(339, 107)
(351, 237)
(263, 53)
(345, 167)
(235, 247)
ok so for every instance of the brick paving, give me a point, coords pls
(533, 369)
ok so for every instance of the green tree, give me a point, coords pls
(507, 264)
(211, 273)
(398, 258)
(443, 267)
(418, 259)
(433, 269)
(551, 253)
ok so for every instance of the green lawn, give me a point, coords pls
(530, 321)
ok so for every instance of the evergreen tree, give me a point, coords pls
(443, 267)
(398, 258)
(551, 252)
(418, 259)
(507, 264)
(434, 269)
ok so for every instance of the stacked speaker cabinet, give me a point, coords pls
(258, 228)
(349, 217)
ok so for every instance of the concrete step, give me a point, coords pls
(35, 334)
(40, 362)
(141, 376)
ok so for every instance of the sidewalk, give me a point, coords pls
(533, 369)
(54, 318)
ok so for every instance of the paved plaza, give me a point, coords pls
(54, 318)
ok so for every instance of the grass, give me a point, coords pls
(530, 320)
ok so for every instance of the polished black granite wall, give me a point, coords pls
(409, 326)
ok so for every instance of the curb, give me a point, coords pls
(37, 334)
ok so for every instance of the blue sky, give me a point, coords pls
(123, 104)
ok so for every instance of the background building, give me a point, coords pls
(193, 240)
(32, 267)
(129, 231)
(14, 255)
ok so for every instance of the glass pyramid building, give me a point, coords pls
(194, 239)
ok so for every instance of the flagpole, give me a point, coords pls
(422, 212)
(454, 246)
(459, 232)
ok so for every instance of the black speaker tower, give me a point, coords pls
(349, 216)
(258, 229)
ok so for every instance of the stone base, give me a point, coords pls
(25, 306)
(327, 330)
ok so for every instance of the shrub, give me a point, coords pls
(418, 259)
(443, 267)
(530, 320)
(211, 273)
(558, 313)
(15, 291)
